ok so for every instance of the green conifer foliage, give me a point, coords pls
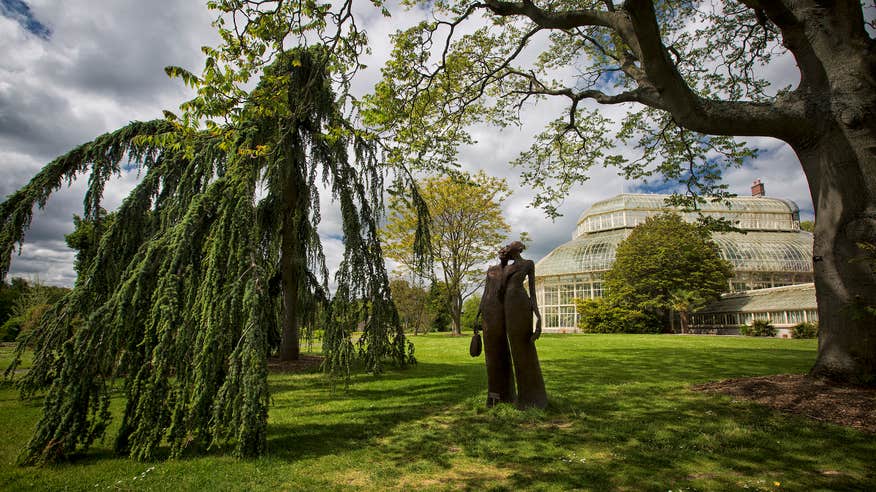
(178, 303)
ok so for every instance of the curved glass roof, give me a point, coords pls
(753, 251)
(585, 254)
(766, 251)
(791, 297)
(748, 212)
(632, 201)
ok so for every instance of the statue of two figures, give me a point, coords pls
(509, 340)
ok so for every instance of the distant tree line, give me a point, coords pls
(22, 304)
(424, 310)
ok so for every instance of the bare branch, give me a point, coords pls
(691, 111)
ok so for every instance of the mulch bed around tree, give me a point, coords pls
(304, 364)
(851, 406)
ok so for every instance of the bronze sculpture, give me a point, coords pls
(500, 379)
(507, 324)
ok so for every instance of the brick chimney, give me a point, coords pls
(757, 188)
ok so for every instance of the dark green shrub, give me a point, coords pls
(10, 329)
(805, 330)
(600, 316)
(745, 330)
(469, 320)
(762, 328)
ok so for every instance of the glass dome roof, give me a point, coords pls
(766, 251)
(752, 251)
(747, 213)
(591, 253)
(800, 296)
(651, 201)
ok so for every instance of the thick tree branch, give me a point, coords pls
(551, 20)
(716, 117)
(660, 83)
(537, 87)
(794, 38)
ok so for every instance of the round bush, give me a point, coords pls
(805, 330)
(600, 316)
(10, 329)
(762, 328)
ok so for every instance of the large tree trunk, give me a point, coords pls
(841, 174)
(291, 268)
(839, 160)
(830, 122)
(290, 275)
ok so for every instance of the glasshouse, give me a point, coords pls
(783, 307)
(771, 252)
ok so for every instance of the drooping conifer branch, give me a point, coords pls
(102, 157)
(181, 301)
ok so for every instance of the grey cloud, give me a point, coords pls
(45, 255)
(102, 68)
(38, 121)
(47, 261)
(126, 48)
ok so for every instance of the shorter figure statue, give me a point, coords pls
(520, 307)
(500, 379)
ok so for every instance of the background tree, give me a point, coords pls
(9, 294)
(661, 257)
(412, 303)
(808, 226)
(690, 74)
(470, 308)
(437, 303)
(29, 302)
(466, 227)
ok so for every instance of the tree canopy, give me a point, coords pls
(466, 229)
(686, 78)
(663, 260)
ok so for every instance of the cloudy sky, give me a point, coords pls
(73, 69)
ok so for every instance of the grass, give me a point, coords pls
(621, 418)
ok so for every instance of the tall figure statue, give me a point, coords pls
(500, 379)
(519, 309)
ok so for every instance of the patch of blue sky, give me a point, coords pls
(610, 80)
(658, 185)
(130, 166)
(20, 12)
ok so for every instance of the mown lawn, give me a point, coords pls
(621, 418)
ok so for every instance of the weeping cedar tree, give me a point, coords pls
(185, 290)
(688, 76)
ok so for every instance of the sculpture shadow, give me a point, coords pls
(323, 419)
